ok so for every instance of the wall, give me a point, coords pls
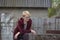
(18, 12)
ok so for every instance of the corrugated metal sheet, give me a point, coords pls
(25, 3)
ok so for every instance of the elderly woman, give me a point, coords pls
(23, 27)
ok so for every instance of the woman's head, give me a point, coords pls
(26, 15)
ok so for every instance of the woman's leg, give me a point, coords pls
(26, 36)
(20, 36)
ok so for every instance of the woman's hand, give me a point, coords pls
(17, 35)
(34, 32)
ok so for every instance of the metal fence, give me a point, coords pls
(40, 25)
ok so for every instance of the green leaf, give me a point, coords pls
(54, 9)
(51, 12)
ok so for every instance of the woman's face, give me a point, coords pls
(26, 18)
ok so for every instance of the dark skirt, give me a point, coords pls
(23, 37)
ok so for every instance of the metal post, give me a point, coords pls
(0, 27)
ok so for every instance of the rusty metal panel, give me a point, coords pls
(25, 3)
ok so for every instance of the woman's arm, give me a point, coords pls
(16, 35)
(17, 30)
(33, 32)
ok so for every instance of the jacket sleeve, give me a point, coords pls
(19, 25)
(17, 29)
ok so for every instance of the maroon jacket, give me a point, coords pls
(20, 27)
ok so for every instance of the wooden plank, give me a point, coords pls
(53, 31)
